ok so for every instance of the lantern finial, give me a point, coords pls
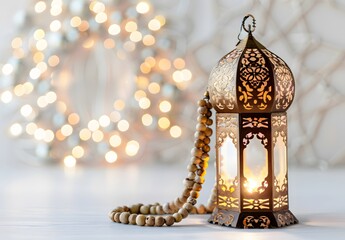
(251, 27)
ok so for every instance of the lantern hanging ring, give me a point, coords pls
(250, 27)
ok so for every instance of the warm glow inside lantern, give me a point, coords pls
(251, 88)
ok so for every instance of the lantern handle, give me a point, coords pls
(250, 27)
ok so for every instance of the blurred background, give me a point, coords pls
(106, 83)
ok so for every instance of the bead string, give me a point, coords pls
(175, 211)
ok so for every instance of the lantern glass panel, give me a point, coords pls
(280, 164)
(255, 164)
(228, 158)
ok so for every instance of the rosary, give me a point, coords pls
(175, 211)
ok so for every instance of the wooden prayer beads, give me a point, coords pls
(181, 207)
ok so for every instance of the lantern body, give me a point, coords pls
(251, 89)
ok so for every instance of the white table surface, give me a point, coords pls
(51, 203)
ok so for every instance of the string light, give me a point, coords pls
(78, 152)
(6, 97)
(75, 21)
(175, 131)
(154, 88)
(55, 25)
(26, 110)
(85, 134)
(31, 128)
(149, 40)
(135, 36)
(42, 102)
(40, 6)
(48, 136)
(119, 104)
(89, 43)
(111, 157)
(104, 121)
(43, 50)
(142, 7)
(7, 69)
(109, 43)
(19, 90)
(73, 118)
(70, 161)
(97, 7)
(66, 130)
(53, 61)
(39, 34)
(154, 25)
(144, 103)
(39, 134)
(97, 136)
(165, 106)
(139, 95)
(84, 26)
(123, 125)
(164, 123)
(115, 140)
(93, 125)
(16, 43)
(101, 17)
(147, 119)
(161, 19)
(131, 26)
(179, 63)
(28, 87)
(16, 129)
(132, 148)
(114, 29)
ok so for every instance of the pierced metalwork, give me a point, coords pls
(253, 222)
(228, 194)
(280, 187)
(251, 135)
(227, 125)
(256, 203)
(223, 81)
(255, 88)
(284, 81)
(280, 201)
(222, 217)
(255, 122)
(251, 79)
(286, 219)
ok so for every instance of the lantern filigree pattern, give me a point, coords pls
(254, 91)
(223, 81)
(251, 88)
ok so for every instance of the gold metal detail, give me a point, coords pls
(256, 203)
(280, 201)
(222, 217)
(222, 82)
(255, 90)
(253, 222)
(284, 87)
(286, 218)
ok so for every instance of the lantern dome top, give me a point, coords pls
(251, 79)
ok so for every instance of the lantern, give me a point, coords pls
(251, 88)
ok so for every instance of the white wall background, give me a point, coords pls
(308, 35)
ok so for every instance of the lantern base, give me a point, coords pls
(235, 219)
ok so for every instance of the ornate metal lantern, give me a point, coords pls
(251, 88)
